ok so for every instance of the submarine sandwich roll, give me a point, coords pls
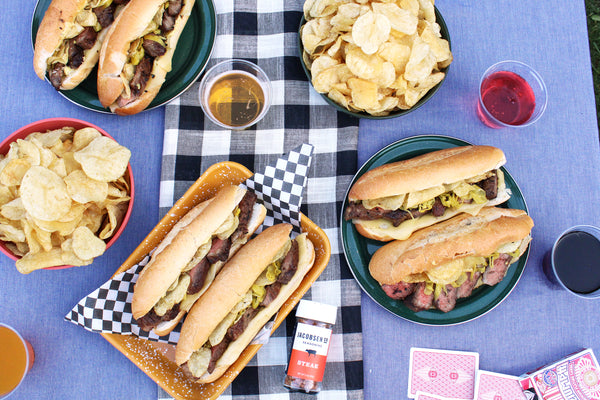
(187, 260)
(394, 200)
(137, 53)
(250, 289)
(445, 262)
(69, 38)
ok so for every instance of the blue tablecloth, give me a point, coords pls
(555, 163)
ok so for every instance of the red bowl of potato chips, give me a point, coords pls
(66, 193)
(374, 60)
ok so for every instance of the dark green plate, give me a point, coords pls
(358, 250)
(445, 34)
(193, 51)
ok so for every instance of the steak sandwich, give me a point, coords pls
(187, 260)
(445, 262)
(394, 200)
(250, 289)
(69, 38)
(137, 53)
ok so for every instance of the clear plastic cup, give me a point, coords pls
(511, 94)
(16, 359)
(235, 94)
(572, 262)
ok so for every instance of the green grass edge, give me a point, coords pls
(593, 21)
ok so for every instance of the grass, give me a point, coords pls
(593, 21)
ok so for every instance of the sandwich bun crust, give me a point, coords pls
(51, 29)
(179, 246)
(462, 236)
(305, 262)
(228, 288)
(425, 171)
(129, 26)
(49, 36)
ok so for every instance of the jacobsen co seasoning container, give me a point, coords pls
(312, 336)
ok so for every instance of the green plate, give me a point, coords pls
(445, 34)
(358, 249)
(193, 51)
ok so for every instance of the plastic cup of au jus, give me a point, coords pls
(572, 263)
(235, 94)
(511, 94)
(16, 359)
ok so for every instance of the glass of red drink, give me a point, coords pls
(572, 263)
(511, 94)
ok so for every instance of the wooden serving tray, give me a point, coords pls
(157, 359)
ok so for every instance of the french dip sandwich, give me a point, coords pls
(394, 200)
(187, 260)
(69, 38)
(250, 289)
(137, 53)
(444, 262)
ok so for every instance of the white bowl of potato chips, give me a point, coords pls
(374, 59)
(66, 194)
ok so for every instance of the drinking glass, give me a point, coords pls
(235, 94)
(16, 359)
(511, 94)
(572, 263)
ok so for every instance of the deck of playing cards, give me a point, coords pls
(575, 377)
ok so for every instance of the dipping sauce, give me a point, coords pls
(236, 98)
(576, 261)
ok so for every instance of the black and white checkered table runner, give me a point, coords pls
(266, 32)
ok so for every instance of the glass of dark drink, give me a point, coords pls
(235, 94)
(574, 261)
(511, 94)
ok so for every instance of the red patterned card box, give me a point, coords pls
(575, 377)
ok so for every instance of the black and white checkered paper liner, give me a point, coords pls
(279, 188)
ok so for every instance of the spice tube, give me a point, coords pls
(312, 336)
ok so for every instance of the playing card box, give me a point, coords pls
(575, 377)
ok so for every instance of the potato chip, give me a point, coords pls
(370, 31)
(364, 93)
(439, 47)
(331, 76)
(103, 159)
(44, 194)
(11, 233)
(338, 97)
(363, 65)
(14, 210)
(401, 20)
(421, 62)
(115, 214)
(397, 54)
(84, 189)
(83, 137)
(13, 172)
(427, 9)
(322, 8)
(86, 245)
(28, 152)
(5, 195)
(51, 138)
(322, 63)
